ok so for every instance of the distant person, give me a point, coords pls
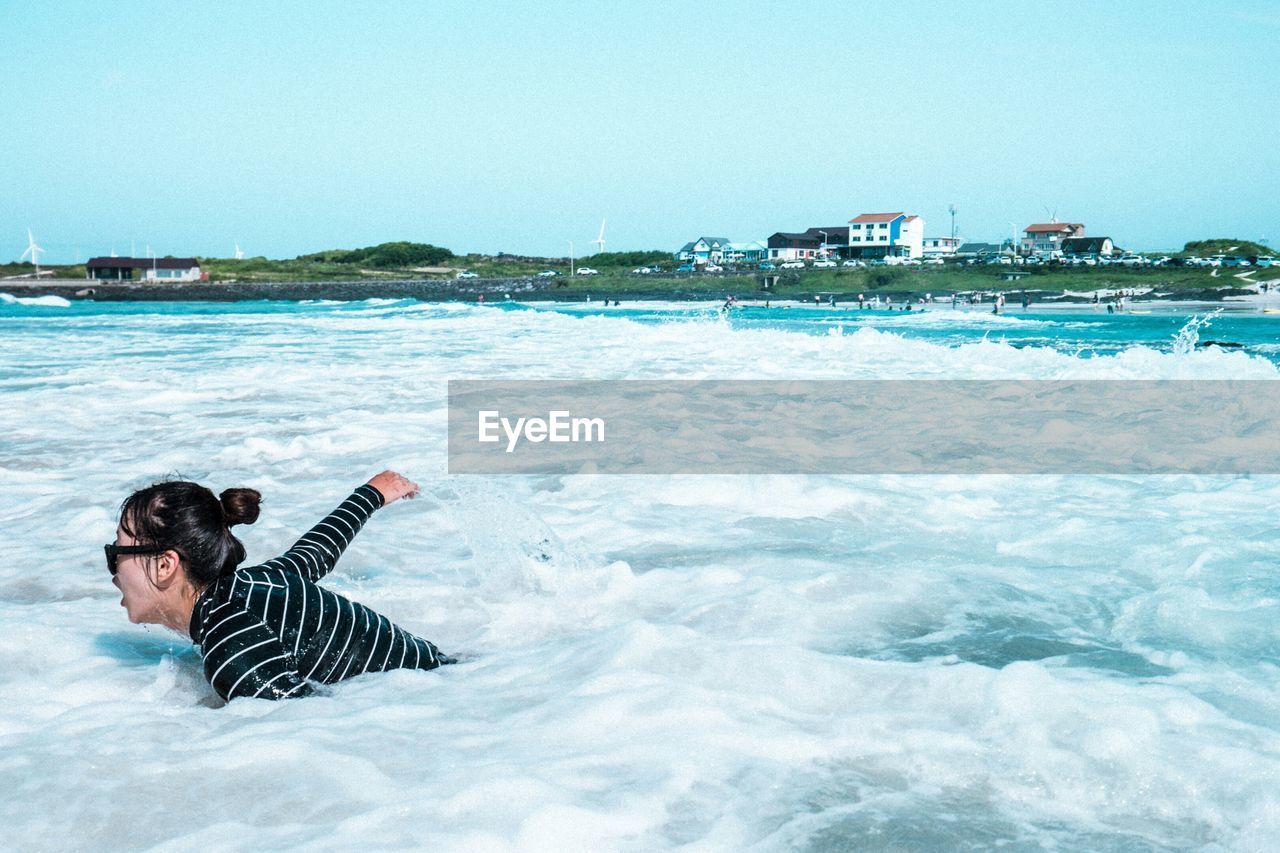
(480, 298)
(267, 631)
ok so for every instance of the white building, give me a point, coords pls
(879, 235)
(941, 246)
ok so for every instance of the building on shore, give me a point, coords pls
(1045, 238)
(144, 269)
(831, 241)
(793, 246)
(941, 246)
(704, 250)
(880, 235)
(973, 250)
(1088, 246)
(751, 250)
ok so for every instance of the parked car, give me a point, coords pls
(1162, 261)
(824, 264)
(1265, 261)
(685, 268)
(547, 274)
(933, 262)
(791, 265)
(713, 268)
(467, 274)
(1235, 261)
(641, 271)
(1211, 261)
(766, 265)
(1131, 261)
(587, 271)
(854, 263)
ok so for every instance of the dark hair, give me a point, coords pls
(188, 518)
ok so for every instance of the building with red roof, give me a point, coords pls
(1045, 238)
(880, 235)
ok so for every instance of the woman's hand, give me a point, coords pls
(393, 486)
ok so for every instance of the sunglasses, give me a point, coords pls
(114, 551)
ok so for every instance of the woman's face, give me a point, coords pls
(141, 598)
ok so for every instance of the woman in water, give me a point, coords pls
(266, 631)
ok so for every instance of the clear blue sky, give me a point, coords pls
(290, 127)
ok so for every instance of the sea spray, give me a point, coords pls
(1184, 342)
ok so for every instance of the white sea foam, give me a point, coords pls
(47, 301)
(723, 663)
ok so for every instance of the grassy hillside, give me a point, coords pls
(413, 260)
(1245, 248)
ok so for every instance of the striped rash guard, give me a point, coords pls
(268, 631)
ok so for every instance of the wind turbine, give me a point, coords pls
(239, 253)
(599, 241)
(34, 251)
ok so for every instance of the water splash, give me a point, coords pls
(1184, 342)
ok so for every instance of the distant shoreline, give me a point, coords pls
(745, 288)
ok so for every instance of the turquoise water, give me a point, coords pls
(721, 663)
(1082, 332)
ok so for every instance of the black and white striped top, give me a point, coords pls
(268, 630)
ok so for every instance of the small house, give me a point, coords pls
(1088, 246)
(145, 269)
(704, 250)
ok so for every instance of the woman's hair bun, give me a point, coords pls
(240, 506)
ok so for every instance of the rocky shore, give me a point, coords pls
(427, 290)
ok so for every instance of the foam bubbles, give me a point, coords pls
(720, 663)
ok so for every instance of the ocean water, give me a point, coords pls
(649, 663)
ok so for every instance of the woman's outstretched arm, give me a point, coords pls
(315, 554)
